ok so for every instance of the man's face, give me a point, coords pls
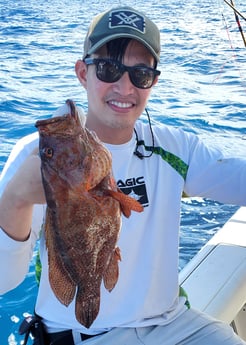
(113, 108)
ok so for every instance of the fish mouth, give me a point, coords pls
(51, 120)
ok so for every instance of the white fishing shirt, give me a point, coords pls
(147, 292)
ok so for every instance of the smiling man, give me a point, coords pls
(153, 163)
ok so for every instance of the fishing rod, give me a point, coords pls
(234, 9)
(237, 13)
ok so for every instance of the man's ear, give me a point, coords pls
(81, 72)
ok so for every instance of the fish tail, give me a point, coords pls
(87, 306)
(127, 203)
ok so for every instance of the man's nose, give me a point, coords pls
(124, 84)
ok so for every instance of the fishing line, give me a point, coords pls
(233, 50)
(230, 41)
(228, 34)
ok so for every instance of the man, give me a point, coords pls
(157, 164)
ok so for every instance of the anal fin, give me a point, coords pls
(111, 274)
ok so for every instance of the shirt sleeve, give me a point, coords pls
(15, 255)
(211, 174)
(14, 261)
(21, 150)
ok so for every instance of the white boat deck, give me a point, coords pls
(215, 279)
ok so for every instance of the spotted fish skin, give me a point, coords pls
(83, 217)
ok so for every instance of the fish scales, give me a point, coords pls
(84, 208)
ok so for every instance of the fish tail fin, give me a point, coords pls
(127, 203)
(111, 274)
(87, 306)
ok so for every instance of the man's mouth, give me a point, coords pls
(123, 105)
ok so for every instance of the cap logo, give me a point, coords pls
(128, 19)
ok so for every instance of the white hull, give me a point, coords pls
(215, 279)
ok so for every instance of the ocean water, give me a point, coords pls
(202, 89)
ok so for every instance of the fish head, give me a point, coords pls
(71, 153)
(61, 148)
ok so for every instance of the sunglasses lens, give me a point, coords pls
(142, 77)
(108, 71)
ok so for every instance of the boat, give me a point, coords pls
(215, 278)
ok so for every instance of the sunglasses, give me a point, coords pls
(110, 71)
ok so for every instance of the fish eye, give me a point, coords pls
(48, 152)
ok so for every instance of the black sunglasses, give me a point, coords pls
(110, 71)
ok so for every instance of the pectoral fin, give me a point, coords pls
(127, 203)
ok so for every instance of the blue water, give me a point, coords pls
(202, 89)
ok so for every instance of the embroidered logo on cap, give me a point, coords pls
(128, 19)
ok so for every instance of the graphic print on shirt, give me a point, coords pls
(136, 188)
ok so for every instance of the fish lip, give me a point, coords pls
(40, 123)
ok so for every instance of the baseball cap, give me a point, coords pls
(122, 22)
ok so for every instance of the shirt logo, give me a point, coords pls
(136, 188)
(128, 19)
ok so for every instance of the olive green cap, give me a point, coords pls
(122, 22)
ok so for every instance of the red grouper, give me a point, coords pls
(83, 217)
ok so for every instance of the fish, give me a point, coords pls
(83, 215)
